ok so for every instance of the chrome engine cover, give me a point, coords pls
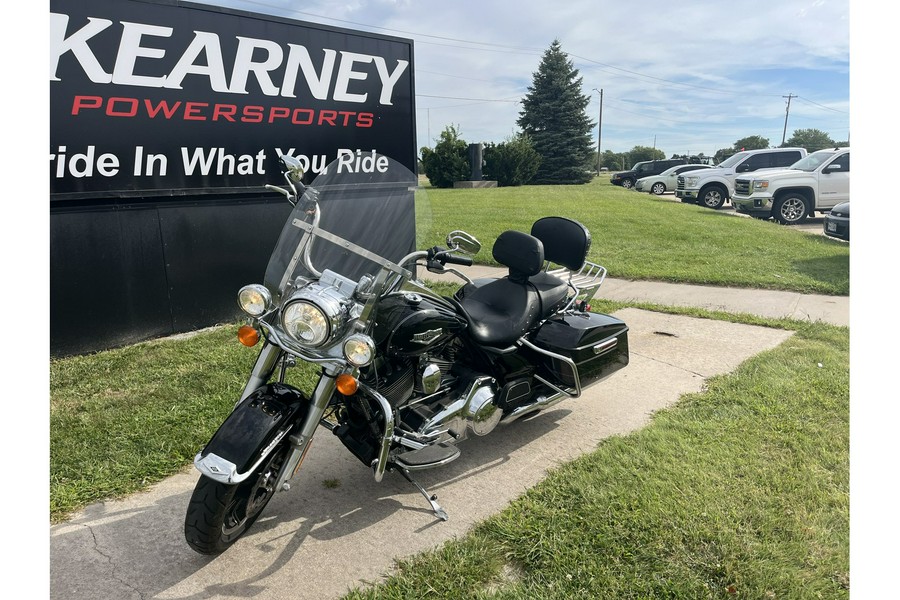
(474, 410)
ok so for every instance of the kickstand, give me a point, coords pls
(432, 498)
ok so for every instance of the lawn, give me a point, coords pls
(640, 236)
(739, 491)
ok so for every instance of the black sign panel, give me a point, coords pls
(168, 99)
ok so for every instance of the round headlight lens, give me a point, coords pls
(359, 350)
(306, 323)
(255, 300)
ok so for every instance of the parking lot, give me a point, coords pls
(814, 224)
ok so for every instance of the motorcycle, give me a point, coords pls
(405, 374)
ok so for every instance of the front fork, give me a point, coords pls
(264, 368)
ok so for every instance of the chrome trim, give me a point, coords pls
(431, 378)
(564, 359)
(604, 347)
(379, 465)
(457, 415)
(262, 369)
(539, 404)
(300, 440)
(224, 471)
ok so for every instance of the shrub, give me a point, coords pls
(513, 162)
(449, 161)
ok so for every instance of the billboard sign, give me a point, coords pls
(151, 98)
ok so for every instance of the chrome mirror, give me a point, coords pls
(464, 242)
(293, 169)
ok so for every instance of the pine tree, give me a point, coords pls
(553, 116)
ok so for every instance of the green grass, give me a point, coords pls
(123, 419)
(639, 236)
(739, 491)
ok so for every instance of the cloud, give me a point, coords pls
(694, 75)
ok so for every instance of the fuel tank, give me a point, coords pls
(410, 324)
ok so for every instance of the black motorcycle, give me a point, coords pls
(405, 373)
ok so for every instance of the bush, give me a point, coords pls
(449, 161)
(513, 162)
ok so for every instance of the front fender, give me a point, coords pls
(250, 433)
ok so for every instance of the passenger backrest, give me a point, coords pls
(566, 242)
(522, 253)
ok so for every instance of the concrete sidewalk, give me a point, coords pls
(764, 303)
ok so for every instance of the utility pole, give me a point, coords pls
(599, 125)
(786, 113)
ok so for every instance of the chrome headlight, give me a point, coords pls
(306, 323)
(760, 185)
(691, 181)
(255, 300)
(359, 350)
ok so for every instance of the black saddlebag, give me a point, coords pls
(596, 343)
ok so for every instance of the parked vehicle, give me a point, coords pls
(837, 222)
(816, 182)
(405, 373)
(644, 169)
(713, 187)
(665, 181)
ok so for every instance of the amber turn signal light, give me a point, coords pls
(248, 336)
(347, 384)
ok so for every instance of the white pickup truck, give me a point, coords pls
(813, 184)
(712, 187)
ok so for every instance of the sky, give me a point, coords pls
(687, 77)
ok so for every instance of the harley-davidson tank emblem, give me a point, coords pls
(426, 337)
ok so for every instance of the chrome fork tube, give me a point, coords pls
(262, 369)
(300, 440)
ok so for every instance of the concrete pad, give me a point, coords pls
(318, 541)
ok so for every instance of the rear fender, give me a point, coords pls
(251, 432)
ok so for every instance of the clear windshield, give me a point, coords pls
(357, 217)
(733, 160)
(813, 161)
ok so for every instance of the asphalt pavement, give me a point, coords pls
(337, 528)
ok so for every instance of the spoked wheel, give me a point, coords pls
(790, 209)
(218, 514)
(658, 188)
(712, 197)
(627, 184)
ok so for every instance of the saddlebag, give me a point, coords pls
(596, 343)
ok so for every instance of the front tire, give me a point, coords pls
(218, 514)
(713, 197)
(627, 184)
(790, 209)
(658, 188)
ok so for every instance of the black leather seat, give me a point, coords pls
(500, 311)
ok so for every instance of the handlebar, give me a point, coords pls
(465, 261)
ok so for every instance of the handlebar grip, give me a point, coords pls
(457, 260)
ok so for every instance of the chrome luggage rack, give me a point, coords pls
(586, 280)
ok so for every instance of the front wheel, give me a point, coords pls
(790, 209)
(627, 184)
(219, 514)
(658, 188)
(713, 197)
